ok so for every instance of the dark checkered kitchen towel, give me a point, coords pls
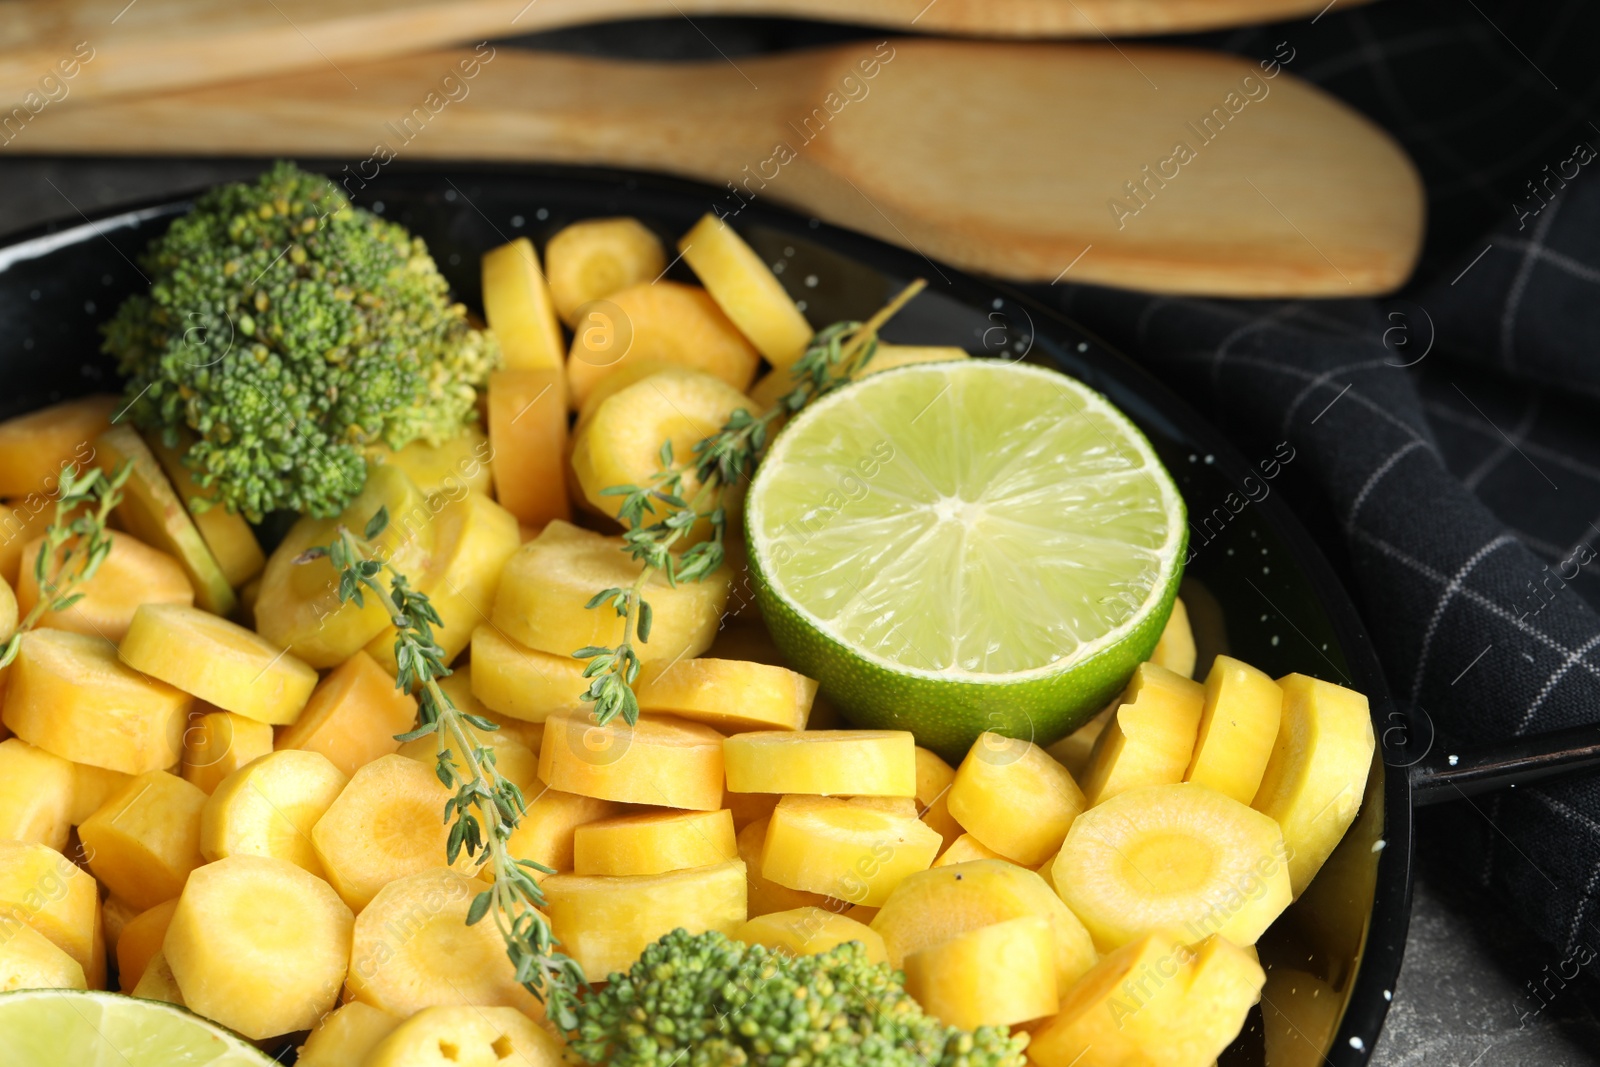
(1452, 436)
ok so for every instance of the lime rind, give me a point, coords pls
(55, 1027)
(966, 546)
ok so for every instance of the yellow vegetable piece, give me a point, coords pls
(473, 538)
(346, 1036)
(353, 715)
(388, 823)
(592, 259)
(1152, 1002)
(299, 607)
(524, 683)
(157, 982)
(604, 923)
(1150, 739)
(764, 895)
(878, 763)
(934, 778)
(1003, 777)
(1074, 750)
(549, 825)
(457, 685)
(1175, 649)
(514, 761)
(151, 511)
(1180, 858)
(634, 370)
(259, 945)
(545, 586)
(269, 807)
(140, 941)
(69, 694)
(731, 695)
(131, 574)
(1238, 724)
(964, 848)
(747, 290)
(19, 525)
(218, 743)
(663, 321)
(36, 792)
(516, 301)
(810, 931)
(42, 889)
(218, 661)
(146, 839)
(35, 446)
(621, 443)
(28, 960)
(92, 787)
(654, 842)
(935, 905)
(467, 1037)
(229, 537)
(1317, 772)
(996, 975)
(451, 468)
(528, 443)
(660, 760)
(413, 949)
(856, 849)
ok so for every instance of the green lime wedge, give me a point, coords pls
(957, 547)
(57, 1027)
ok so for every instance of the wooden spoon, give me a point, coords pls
(142, 46)
(1151, 168)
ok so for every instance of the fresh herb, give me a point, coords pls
(74, 545)
(486, 807)
(684, 493)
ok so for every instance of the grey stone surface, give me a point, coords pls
(1464, 988)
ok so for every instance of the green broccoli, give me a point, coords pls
(285, 331)
(703, 1000)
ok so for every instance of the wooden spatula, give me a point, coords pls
(1151, 168)
(142, 46)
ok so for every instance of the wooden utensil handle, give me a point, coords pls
(145, 46)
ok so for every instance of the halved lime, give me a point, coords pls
(57, 1027)
(957, 547)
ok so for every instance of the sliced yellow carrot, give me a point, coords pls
(516, 301)
(353, 715)
(144, 842)
(659, 760)
(879, 763)
(654, 842)
(1002, 776)
(731, 695)
(747, 290)
(856, 849)
(218, 661)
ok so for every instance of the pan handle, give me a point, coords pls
(1447, 773)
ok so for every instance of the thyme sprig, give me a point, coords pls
(486, 807)
(82, 542)
(658, 515)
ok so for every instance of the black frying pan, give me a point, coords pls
(1257, 587)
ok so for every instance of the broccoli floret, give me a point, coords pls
(285, 330)
(703, 1000)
